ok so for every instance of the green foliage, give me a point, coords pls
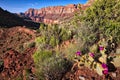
(103, 17)
(40, 58)
(40, 40)
(65, 35)
(53, 41)
(52, 35)
(50, 66)
(56, 67)
(41, 55)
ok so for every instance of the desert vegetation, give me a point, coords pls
(87, 46)
(95, 32)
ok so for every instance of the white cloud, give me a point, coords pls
(33, 4)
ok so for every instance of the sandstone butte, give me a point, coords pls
(53, 14)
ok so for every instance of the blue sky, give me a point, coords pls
(16, 6)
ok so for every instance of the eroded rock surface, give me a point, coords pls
(16, 63)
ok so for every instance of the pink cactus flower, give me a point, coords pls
(92, 54)
(105, 72)
(101, 48)
(104, 65)
(78, 53)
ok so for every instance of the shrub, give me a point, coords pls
(102, 17)
(56, 67)
(39, 59)
(41, 55)
(52, 35)
(50, 66)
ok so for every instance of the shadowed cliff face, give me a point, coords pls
(9, 20)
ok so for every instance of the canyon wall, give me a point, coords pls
(53, 14)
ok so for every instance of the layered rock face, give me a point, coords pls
(51, 14)
(54, 14)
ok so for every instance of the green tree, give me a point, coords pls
(103, 17)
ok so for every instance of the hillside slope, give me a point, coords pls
(8, 19)
(15, 38)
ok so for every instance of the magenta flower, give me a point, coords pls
(104, 65)
(105, 71)
(92, 54)
(78, 53)
(101, 48)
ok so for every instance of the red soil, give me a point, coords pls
(16, 63)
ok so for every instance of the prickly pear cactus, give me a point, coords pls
(116, 61)
(99, 69)
(97, 59)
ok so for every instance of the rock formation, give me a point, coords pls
(54, 14)
(51, 14)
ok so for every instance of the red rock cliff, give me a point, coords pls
(55, 13)
(51, 14)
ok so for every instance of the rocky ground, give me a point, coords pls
(15, 38)
(15, 55)
(17, 63)
(87, 74)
